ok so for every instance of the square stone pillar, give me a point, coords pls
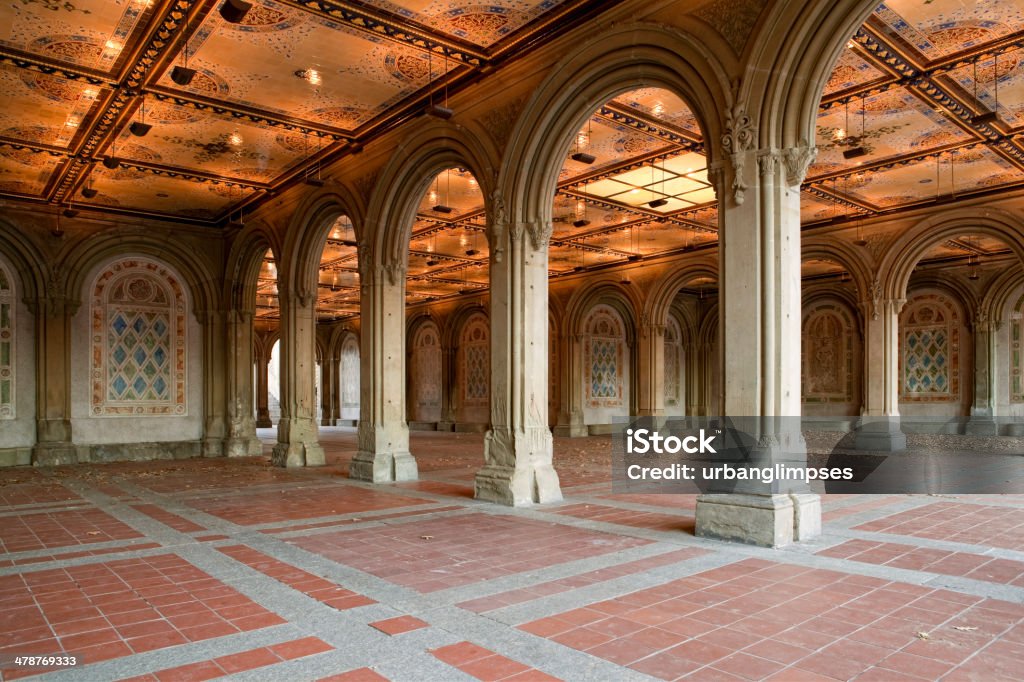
(241, 438)
(759, 299)
(650, 377)
(297, 434)
(570, 389)
(53, 315)
(518, 447)
(383, 451)
(983, 413)
(879, 427)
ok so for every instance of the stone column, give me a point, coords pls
(297, 442)
(263, 391)
(880, 417)
(518, 447)
(694, 359)
(570, 393)
(53, 313)
(983, 410)
(241, 440)
(336, 378)
(383, 451)
(215, 376)
(760, 334)
(449, 390)
(329, 387)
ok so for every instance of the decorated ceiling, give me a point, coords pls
(924, 106)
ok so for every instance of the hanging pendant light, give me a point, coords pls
(444, 207)
(581, 156)
(859, 150)
(140, 128)
(987, 117)
(438, 111)
(582, 221)
(181, 74)
(234, 11)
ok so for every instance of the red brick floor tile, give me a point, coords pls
(282, 505)
(493, 668)
(582, 638)
(165, 517)
(532, 675)
(467, 549)
(205, 670)
(399, 625)
(247, 660)
(45, 530)
(461, 653)
(299, 648)
(747, 666)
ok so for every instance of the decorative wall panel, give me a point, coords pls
(828, 354)
(7, 328)
(138, 328)
(603, 351)
(426, 372)
(673, 362)
(930, 349)
(1016, 361)
(475, 349)
(350, 373)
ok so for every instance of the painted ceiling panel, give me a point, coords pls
(43, 108)
(938, 28)
(87, 33)
(25, 172)
(482, 24)
(127, 187)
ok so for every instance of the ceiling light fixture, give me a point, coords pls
(657, 203)
(111, 162)
(140, 128)
(987, 117)
(442, 112)
(181, 74)
(443, 207)
(859, 150)
(234, 11)
(581, 156)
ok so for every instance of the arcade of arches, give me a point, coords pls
(514, 224)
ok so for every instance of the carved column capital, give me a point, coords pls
(738, 139)
(797, 160)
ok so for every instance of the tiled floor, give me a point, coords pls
(189, 570)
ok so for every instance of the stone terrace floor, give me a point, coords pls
(182, 570)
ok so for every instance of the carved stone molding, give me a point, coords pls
(738, 139)
(499, 122)
(797, 160)
(497, 224)
(767, 162)
(540, 233)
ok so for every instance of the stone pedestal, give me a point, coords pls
(880, 434)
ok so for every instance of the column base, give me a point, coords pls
(806, 516)
(383, 467)
(981, 426)
(213, 447)
(882, 435)
(54, 454)
(517, 487)
(243, 447)
(763, 520)
(298, 455)
(264, 423)
(571, 430)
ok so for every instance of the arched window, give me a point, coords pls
(426, 373)
(604, 351)
(7, 328)
(138, 328)
(828, 354)
(930, 353)
(1016, 349)
(673, 361)
(475, 349)
(350, 377)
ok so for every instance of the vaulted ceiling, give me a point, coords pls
(924, 106)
